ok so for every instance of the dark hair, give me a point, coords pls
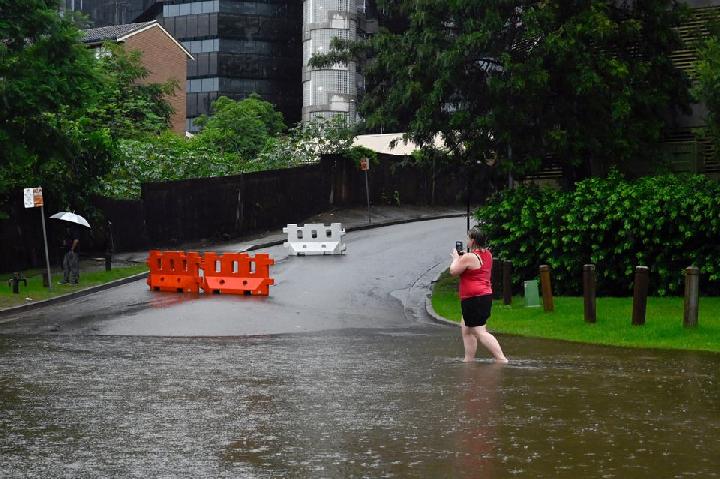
(479, 236)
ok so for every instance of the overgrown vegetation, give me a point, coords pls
(706, 87)
(665, 222)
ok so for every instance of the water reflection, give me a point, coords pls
(477, 435)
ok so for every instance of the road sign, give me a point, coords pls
(364, 164)
(33, 197)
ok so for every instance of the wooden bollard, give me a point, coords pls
(692, 293)
(496, 279)
(546, 288)
(589, 292)
(507, 283)
(640, 291)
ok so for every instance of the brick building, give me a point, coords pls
(163, 57)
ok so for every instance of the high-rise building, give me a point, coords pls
(331, 90)
(108, 12)
(240, 47)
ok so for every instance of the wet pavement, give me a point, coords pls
(338, 374)
(357, 290)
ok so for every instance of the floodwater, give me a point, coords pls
(352, 403)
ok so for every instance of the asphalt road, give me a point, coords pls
(381, 282)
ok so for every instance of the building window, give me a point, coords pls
(202, 46)
(192, 8)
(203, 85)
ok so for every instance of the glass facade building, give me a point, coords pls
(103, 13)
(240, 47)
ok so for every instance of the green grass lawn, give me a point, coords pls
(663, 324)
(37, 292)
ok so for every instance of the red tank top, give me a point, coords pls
(476, 282)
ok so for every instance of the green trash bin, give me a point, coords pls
(532, 295)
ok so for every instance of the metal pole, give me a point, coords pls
(47, 257)
(367, 194)
(692, 290)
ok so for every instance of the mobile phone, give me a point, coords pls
(459, 247)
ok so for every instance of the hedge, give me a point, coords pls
(665, 222)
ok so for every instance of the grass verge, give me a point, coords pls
(36, 292)
(663, 325)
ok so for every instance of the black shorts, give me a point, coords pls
(476, 310)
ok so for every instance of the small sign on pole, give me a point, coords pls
(32, 198)
(365, 166)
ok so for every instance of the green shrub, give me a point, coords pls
(665, 222)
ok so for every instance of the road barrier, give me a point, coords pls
(237, 273)
(174, 271)
(314, 239)
(229, 273)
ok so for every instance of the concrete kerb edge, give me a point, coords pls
(75, 294)
(403, 221)
(130, 279)
(431, 311)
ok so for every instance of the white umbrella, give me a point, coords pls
(71, 217)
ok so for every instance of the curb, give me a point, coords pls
(405, 221)
(431, 311)
(75, 294)
(350, 229)
(119, 282)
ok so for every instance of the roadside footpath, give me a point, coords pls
(352, 219)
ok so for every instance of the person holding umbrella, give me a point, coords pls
(71, 260)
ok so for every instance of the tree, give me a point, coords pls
(587, 83)
(306, 141)
(707, 82)
(243, 127)
(164, 157)
(125, 105)
(47, 78)
(594, 81)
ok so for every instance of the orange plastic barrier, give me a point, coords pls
(174, 271)
(237, 273)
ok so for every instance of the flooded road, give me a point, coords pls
(338, 374)
(352, 403)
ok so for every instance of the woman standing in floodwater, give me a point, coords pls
(475, 269)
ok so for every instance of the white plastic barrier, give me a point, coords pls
(314, 239)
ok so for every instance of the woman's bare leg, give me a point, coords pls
(470, 342)
(490, 343)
